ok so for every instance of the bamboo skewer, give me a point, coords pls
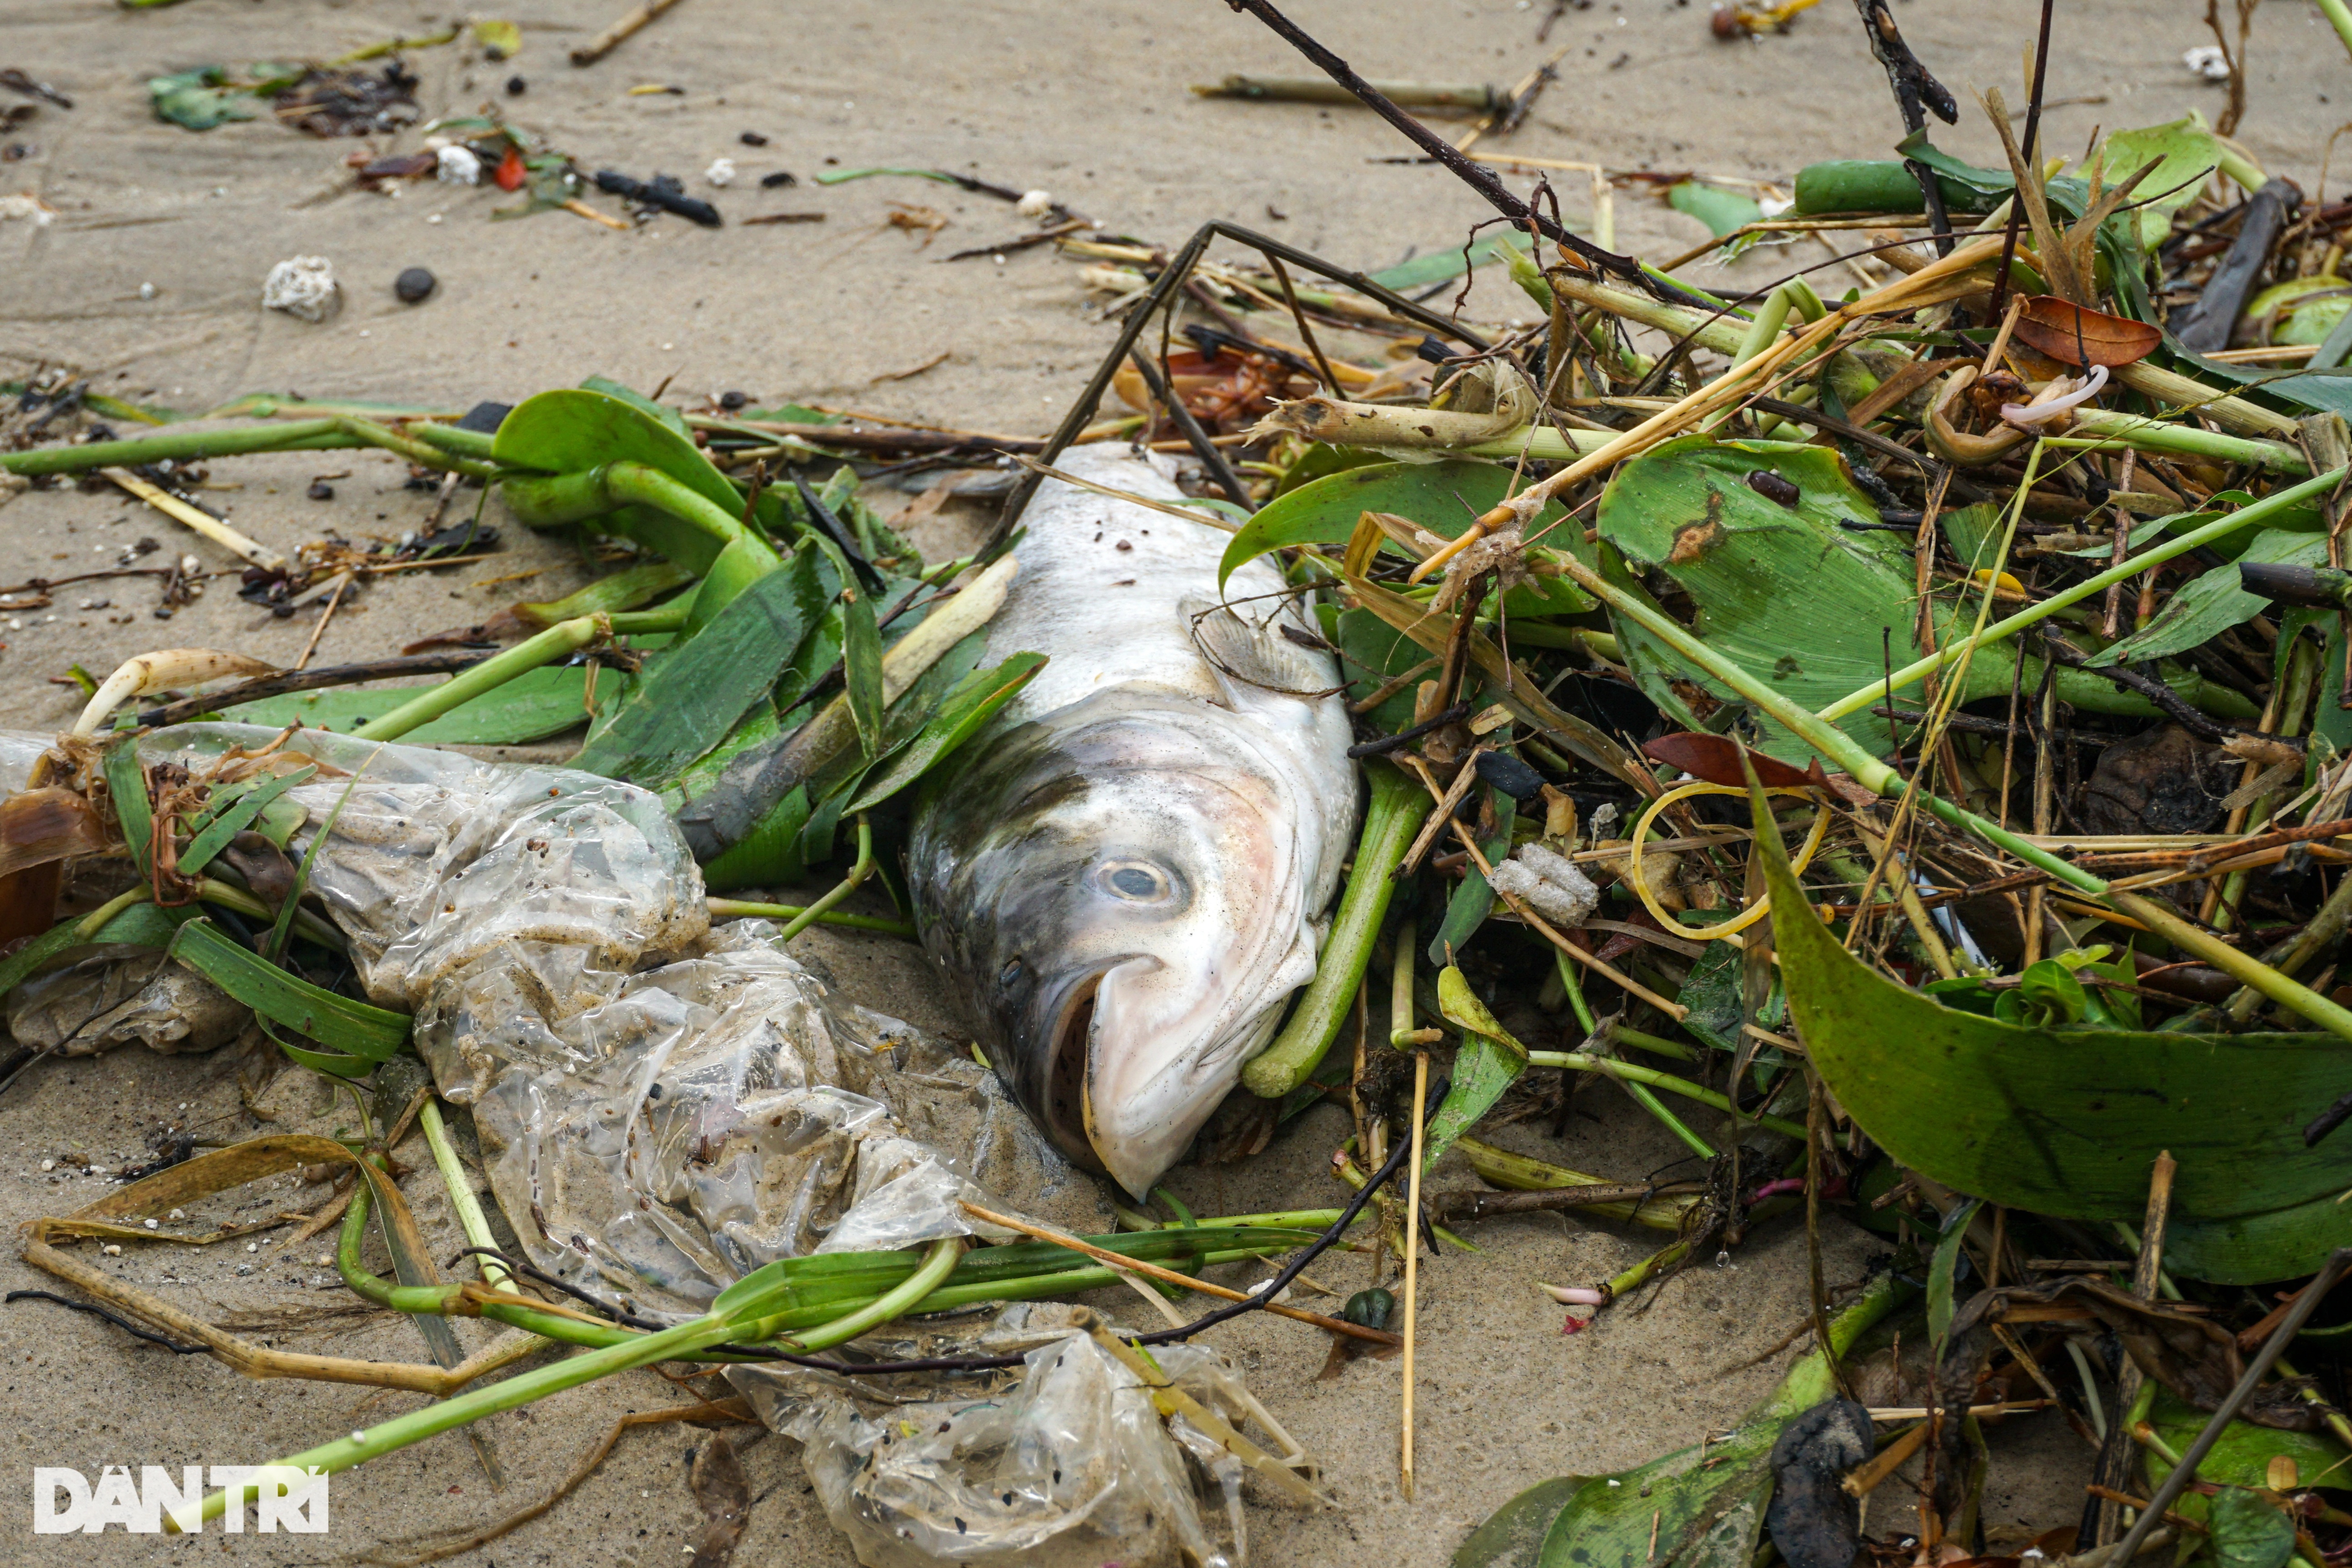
(1412, 1262)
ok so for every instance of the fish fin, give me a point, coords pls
(1257, 654)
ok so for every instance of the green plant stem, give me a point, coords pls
(450, 438)
(2263, 510)
(368, 433)
(558, 641)
(700, 1335)
(1572, 982)
(136, 451)
(470, 1218)
(2097, 430)
(2339, 16)
(98, 918)
(245, 903)
(1398, 805)
(859, 869)
(2295, 701)
(1631, 1073)
(736, 908)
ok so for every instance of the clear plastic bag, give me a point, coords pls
(1068, 1465)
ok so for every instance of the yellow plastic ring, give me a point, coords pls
(1728, 930)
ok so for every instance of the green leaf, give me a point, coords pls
(1472, 899)
(2047, 996)
(1482, 1069)
(1464, 1010)
(19, 965)
(861, 668)
(126, 789)
(1440, 497)
(533, 706)
(1943, 1267)
(575, 432)
(1438, 266)
(1720, 209)
(2249, 1531)
(2069, 1122)
(202, 99)
(2242, 1456)
(213, 836)
(972, 702)
(2188, 152)
(352, 1027)
(2214, 601)
(1372, 652)
(501, 40)
(1514, 1534)
(661, 413)
(691, 694)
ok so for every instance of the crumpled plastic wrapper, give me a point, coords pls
(664, 1106)
(1065, 1465)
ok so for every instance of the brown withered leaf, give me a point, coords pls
(1715, 759)
(2075, 335)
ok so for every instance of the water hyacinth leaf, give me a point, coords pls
(352, 1027)
(2185, 152)
(575, 432)
(1942, 1270)
(534, 705)
(213, 835)
(972, 702)
(691, 694)
(2249, 1531)
(1440, 497)
(2242, 1456)
(664, 414)
(2069, 1122)
(1513, 1534)
(861, 669)
(202, 99)
(1437, 267)
(1722, 210)
(2215, 601)
(1372, 652)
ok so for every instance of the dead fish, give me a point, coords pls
(1123, 878)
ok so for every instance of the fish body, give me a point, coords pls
(1123, 877)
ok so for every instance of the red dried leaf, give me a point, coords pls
(1715, 759)
(2068, 332)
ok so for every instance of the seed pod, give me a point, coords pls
(1773, 488)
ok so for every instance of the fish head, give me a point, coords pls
(1123, 891)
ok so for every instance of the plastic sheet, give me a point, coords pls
(1070, 1465)
(664, 1105)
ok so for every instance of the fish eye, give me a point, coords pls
(1010, 972)
(1136, 881)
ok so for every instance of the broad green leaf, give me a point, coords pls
(1513, 1535)
(1722, 210)
(354, 1028)
(662, 413)
(202, 99)
(861, 669)
(533, 706)
(1465, 1012)
(1942, 1270)
(691, 694)
(2068, 1122)
(2249, 1531)
(770, 853)
(2242, 1454)
(1440, 497)
(573, 433)
(213, 835)
(1320, 460)
(971, 704)
(2214, 601)
(2188, 152)
(1482, 1069)
(1372, 652)
(1474, 897)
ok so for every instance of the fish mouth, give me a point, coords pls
(1069, 1109)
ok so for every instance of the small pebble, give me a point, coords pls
(253, 1247)
(178, 1214)
(753, 138)
(48, 1165)
(358, 1437)
(781, 177)
(731, 401)
(413, 285)
(146, 291)
(111, 1250)
(151, 1225)
(320, 490)
(517, 86)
